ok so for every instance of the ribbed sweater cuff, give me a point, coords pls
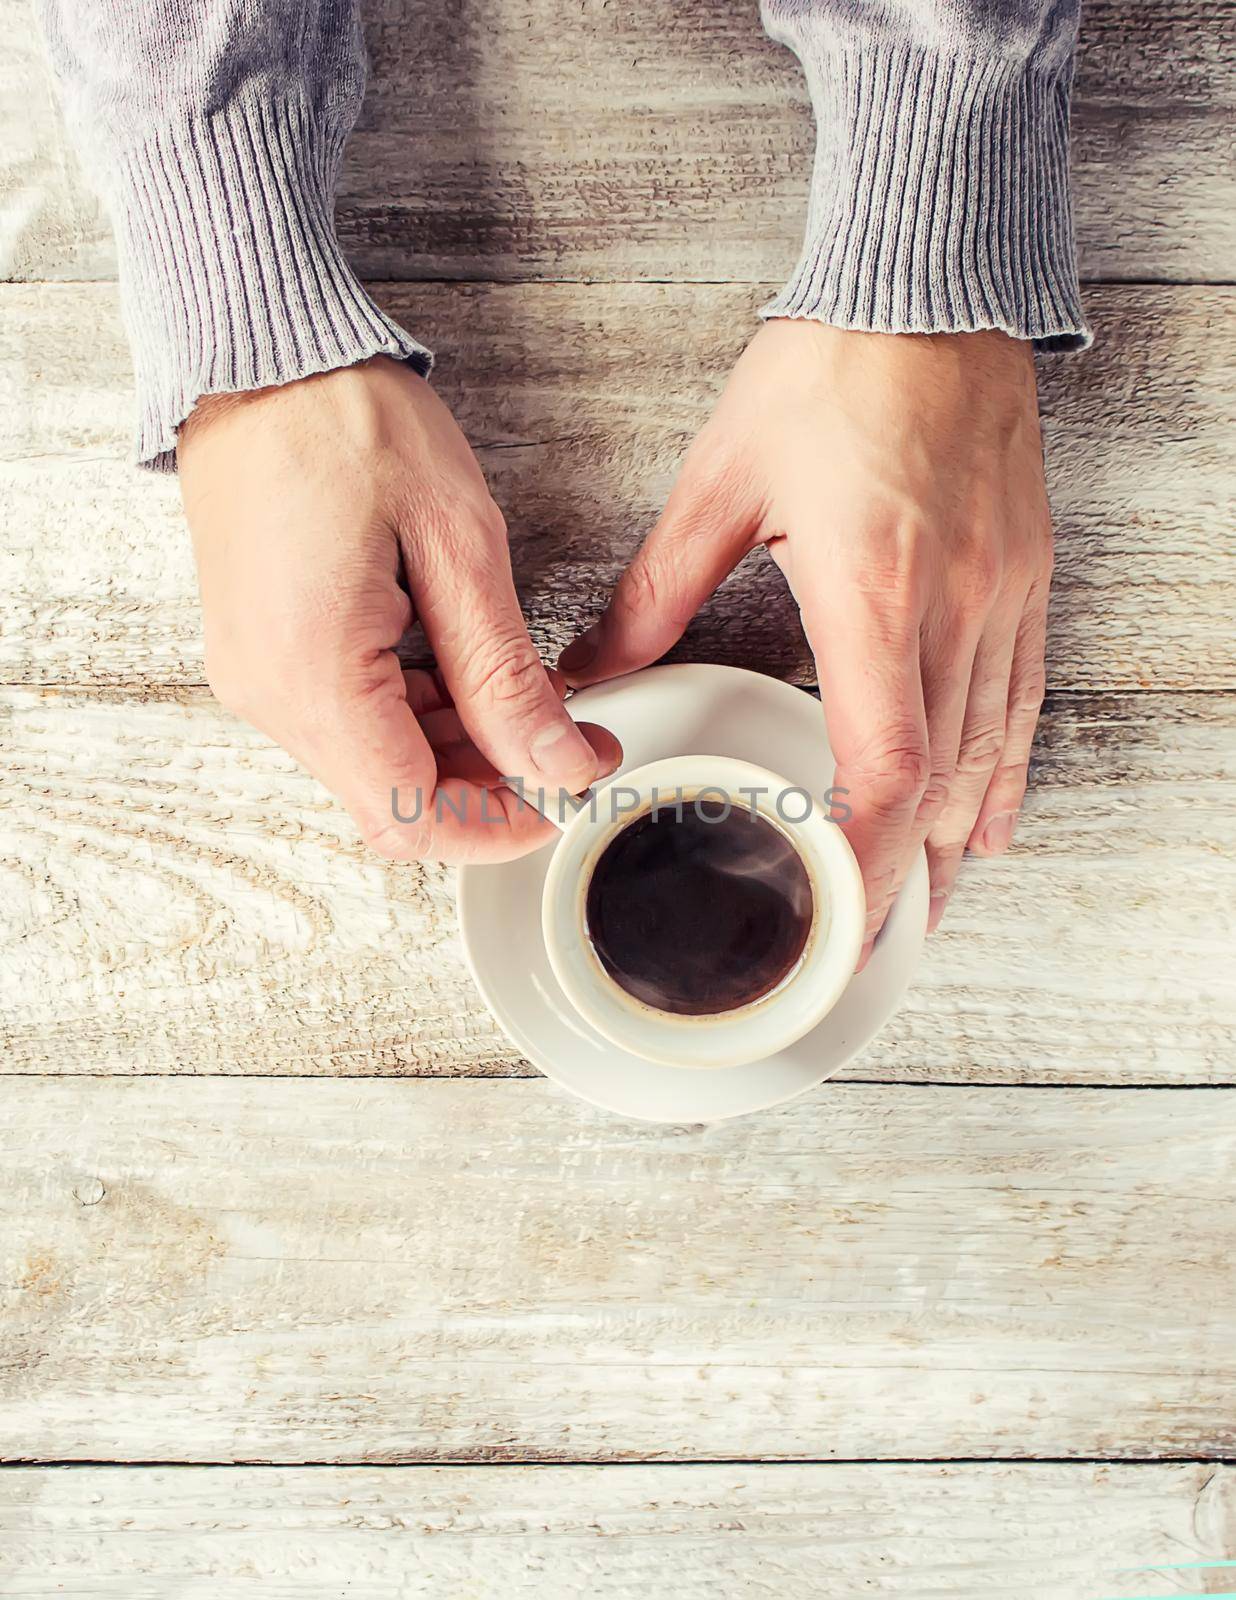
(231, 273)
(940, 197)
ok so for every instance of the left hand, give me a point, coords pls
(897, 480)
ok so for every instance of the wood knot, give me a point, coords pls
(89, 1192)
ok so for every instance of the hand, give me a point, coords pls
(897, 479)
(307, 504)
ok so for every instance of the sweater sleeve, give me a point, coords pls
(215, 132)
(940, 193)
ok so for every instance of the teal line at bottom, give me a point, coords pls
(1176, 1566)
(1228, 1594)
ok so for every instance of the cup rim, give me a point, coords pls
(724, 1039)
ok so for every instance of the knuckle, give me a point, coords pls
(1030, 569)
(899, 771)
(880, 888)
(451, 515)
(1029, 694)
(488, 518)
(980, 749)
(948, 837)
(397, 841)
(504, 670)
(893, 565)
(1011, 774)
(1044, 536)
(977, 578)
(1033, 556)
(641, 592)
(446, 524)
(933, 799)
(649, 590)
(945, 862)
(907, 770)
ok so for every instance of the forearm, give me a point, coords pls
(940, 195)
(215, 133)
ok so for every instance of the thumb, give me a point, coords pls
(504, 696)
(703, 533)
(366, 745)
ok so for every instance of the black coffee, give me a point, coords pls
(698, 912)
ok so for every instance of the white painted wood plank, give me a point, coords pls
(659, 140)
(52, 224)
(663, 140)
(963, 1532)
(581, 401)
(368, 1271)
(178, 898)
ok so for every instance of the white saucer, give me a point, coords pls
(668, 711)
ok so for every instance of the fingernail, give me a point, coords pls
(998, 832)
(939, 899)
(561, 752)
(581, 652)
(608, 761)
(865, 957)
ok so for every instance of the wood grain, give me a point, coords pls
(270, 1266)
(581, 400)
(1044, 1532)
(660, 140)
(51, 222)
(179, 898)
(246, 1270)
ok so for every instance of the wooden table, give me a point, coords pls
(307, 1283)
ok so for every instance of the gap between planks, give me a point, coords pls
(617, 1463)
(161, 836)
(497, 1274)
(1137, 436)
(528, 1074)
(509, 280)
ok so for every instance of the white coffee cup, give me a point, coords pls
(765, 1025)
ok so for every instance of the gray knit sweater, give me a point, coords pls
(939, 199)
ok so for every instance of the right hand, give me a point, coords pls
(307, 503)
(897, 480)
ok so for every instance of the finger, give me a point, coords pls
(701, 536)
(993, 828)
(362, 741)
(443, 728)
(426, 690)
(461, 759)
(867, 661)
(982, 739)
(467, 604)
(948, 656)
(458, 757)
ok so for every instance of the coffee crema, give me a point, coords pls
(699, 909)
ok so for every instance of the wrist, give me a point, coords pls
(981, 357)
(232, 277)
(927, 401)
